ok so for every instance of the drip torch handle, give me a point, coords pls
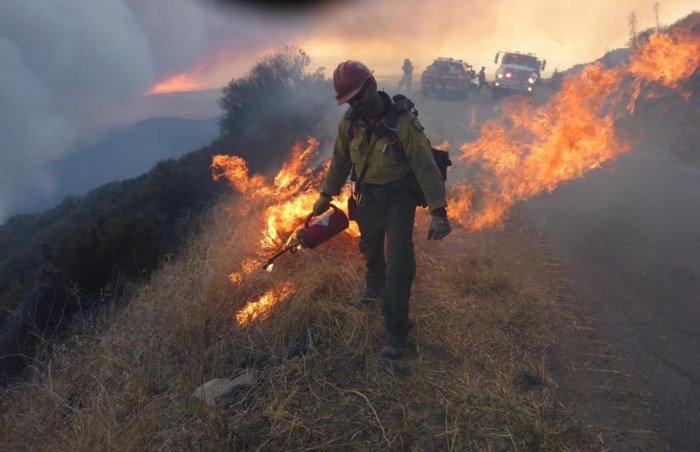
(311, 215)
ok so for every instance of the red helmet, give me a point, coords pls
(348, 79)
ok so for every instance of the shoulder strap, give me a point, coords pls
(401, 105)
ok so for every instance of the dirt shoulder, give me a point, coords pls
(595, 379)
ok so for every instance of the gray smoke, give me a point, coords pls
(70, 67)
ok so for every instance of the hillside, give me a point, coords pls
(124, 153)
(495, 323)
(91, 249)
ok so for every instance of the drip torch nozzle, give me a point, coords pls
(268, 264)
(315, 233)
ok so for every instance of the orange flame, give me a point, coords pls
(283, 205)
(174, 84)
(248, 266)
(289, 199)
(668, 59)
(445, 145)
(532, 150)
(528, 151)
(473, 123)
(262, 307)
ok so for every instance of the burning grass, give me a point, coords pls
(531, 150)
(475, 377)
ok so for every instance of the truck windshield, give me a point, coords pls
(522, 60)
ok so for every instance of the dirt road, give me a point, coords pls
(628, 239)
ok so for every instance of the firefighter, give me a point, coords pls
(481, 77)
(387, 195)
(407, 78)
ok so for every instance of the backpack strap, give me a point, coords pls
(401, 105)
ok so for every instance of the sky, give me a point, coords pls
(70, 68)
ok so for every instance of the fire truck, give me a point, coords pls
(448, 75)
(519, 73)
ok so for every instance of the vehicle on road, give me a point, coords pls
(518, 73)
(448, 76)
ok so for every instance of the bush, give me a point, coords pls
(274, 105)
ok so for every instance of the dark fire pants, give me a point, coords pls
(385, 214)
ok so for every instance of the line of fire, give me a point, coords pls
(529, 150)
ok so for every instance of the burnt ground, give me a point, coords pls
(625, 239)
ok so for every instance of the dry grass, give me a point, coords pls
(475, 377)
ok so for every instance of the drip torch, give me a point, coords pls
(315, 232)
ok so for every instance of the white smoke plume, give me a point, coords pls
(71, 67)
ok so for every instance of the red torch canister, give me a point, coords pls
(323, 228)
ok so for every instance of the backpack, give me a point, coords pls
(402, 105)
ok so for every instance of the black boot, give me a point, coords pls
(370, 295)
(394, 346)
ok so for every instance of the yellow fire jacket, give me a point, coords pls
(385, 164)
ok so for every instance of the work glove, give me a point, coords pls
(322, 204)
(439, 226)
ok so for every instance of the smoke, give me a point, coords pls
(71, 67)
(381, 34)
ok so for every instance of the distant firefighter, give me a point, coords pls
(481, 77)
(407, 78)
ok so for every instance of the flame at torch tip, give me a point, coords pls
(282, 205)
